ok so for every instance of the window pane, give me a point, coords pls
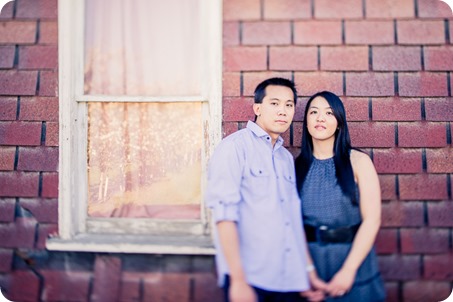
(142, 47)
(144, 160)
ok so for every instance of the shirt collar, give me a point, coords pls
(258, 131)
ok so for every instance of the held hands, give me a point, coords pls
(317, 288)
(240, 291)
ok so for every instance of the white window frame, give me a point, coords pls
(77, 231)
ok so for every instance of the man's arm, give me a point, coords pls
(240, 290)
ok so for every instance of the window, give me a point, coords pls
(140, 110)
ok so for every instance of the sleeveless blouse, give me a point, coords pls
(323, 203)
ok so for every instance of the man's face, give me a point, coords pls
(276, 112)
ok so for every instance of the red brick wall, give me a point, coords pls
(389, 60)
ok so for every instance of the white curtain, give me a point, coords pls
(144, 159)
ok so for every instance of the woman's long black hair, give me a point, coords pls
(342, 148)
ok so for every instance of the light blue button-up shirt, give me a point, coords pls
(253, 183)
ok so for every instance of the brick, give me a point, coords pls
(14, 82)
(7, 11)
(7, 209)
(45, 231)
(43, 9)
(252, 79)
(425, 290)
(438, 109)
(107, 278)
(390, 9)
(344, 58)
(439, 160)
(48, 83)
(43, 210)
(238, 109)
(388, 187)
(231, 84)
(387, 242)
(438, 267)
(266, 33)
(396, 109)
(52, 130)
(356, 109)
(205, 288)
(17, 290)
(38, 159)
(18, 234)
(315, 32)
(440, 214)
(48, 32)
(392, 291)
(396, 160)
(130, 287)
(422, 134)
(39, 109)
(176, 287)
(244, 58)
(370, 84)
(423, 187)
(7, 54)
(229, 128)
(230, 33)
(287, 9)
(19, 184)
(6, 260)
(241, 10)
(7, 157)
(8, 108)
(38, 57)
(20, 133)
(398, 267)
(17, 32)
(358, 32)
(438, 58)
(396, 58)
(340, 9)
(49, 185)
(398, 214)
(65, 285)
(377, 134)
(420, 32)
(309, 83)
(433, 9)
(293, 58)
(423, 84)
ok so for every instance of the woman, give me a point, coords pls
(341, 203)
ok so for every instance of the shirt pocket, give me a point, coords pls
(259, 181)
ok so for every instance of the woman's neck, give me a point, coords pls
(323, 149)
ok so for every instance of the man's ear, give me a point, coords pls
(257, 109)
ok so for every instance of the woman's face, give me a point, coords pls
(321, 121)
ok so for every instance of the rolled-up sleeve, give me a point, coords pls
(224, 181)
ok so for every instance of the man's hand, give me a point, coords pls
(317, 288)
(240, 291)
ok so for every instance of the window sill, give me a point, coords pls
(140, 244)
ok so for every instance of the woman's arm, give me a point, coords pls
(370, 208)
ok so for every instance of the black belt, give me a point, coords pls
(324, 234)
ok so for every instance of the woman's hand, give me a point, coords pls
(240, 291)
(341, 283)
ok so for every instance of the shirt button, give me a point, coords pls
(287, 223)
(288, 249)
(282, 200)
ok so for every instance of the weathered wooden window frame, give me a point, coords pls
(77, 232)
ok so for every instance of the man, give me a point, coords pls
(261, 248)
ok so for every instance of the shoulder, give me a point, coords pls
(231, 144)
(361, 162)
